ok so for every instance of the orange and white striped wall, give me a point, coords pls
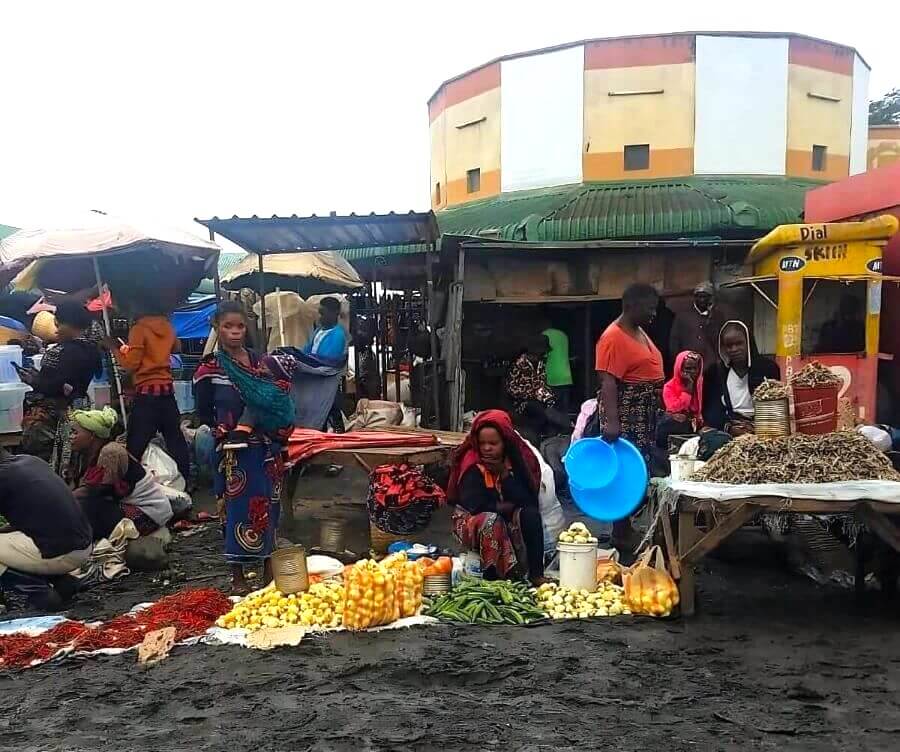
(650, 107)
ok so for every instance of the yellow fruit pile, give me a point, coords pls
(564, 603)
(577, 533)
(320, 607)
(410, 580)
(370, 588)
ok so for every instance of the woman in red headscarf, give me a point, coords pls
(494, 484)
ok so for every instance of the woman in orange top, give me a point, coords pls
(630, 368)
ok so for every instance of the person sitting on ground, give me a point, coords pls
(494, 483)
(526, 386)
(109, 483)
(682, 398)
(731, 381)
(47, 534)
(66, 372)
(151, 343)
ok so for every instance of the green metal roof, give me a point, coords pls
(6, 230)
(736, 207)
(227, 261)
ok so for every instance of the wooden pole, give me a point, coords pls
(115, 365)
(281, 341)
(429, 309)
(264, 346)
(217, 282)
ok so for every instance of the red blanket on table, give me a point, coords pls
(306, 442)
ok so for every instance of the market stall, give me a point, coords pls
(798, 463)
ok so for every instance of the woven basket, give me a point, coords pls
(379, 540)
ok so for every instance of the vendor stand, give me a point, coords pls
(808, 278)
(793, 260)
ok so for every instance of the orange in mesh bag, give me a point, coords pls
(369, 596)
(649, 588)
(410, 582)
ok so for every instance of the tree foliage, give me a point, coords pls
(885, 111)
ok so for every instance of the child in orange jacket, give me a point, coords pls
(151, 342)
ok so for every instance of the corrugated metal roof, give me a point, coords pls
(332, 233)
(227, 261)
(673, 208)
(679, 207)
(6, 230)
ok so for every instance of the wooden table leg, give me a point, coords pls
(687, 537)
(671, 551)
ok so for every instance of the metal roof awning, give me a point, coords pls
(270, 235)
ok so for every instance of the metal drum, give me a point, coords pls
(436, 584)
(289, 569)
(331, 536)
(772, 418)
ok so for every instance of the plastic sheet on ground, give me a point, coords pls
(219, 636)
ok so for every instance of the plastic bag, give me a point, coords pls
(552, 515)
(608, 567)
(649, 588)
(162, 468)
(410, 582)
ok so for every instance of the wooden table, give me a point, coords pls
(370, 458)
(687, 544)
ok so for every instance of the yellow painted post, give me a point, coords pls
(790, 316)
(873, 316)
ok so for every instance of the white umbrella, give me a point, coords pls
(132, 257)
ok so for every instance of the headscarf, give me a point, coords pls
(517, 451)
(752, 351)
(675, 397)
(98, 422)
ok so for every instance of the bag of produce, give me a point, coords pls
(369, 589)
(608, 567)
(649, 588)
(410, 581)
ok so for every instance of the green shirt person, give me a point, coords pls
(559, 372)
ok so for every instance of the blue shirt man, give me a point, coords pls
(328, 342)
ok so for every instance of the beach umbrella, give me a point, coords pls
(140, 262)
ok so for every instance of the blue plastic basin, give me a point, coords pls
(590, 463)
(624, 491)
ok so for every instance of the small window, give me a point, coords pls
(819, 157)
(473, 180)
(637, 157)
(437, 194)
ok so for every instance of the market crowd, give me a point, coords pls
(78, 487)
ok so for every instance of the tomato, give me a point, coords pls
(425, 562)
(444, 565)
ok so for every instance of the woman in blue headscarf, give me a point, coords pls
(231, 384)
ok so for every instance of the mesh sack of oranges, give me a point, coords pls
(410, 581)
(369, 595)
(649, 588)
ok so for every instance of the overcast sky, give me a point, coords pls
(192, 108)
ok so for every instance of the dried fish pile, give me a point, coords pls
(814, 375)
(770, 389)
(828, 458)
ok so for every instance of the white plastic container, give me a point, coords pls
(36, 361)
(11, 407)
(578, 566)
(683, 467)
(100, 394)
(10, 354)
(184, 396)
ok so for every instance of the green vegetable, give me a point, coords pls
(476, 601)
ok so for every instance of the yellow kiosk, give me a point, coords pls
(822, 285)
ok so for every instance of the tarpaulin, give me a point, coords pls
(193, 322)
(305, 442)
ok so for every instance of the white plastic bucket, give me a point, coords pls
(10, 354)
(578, 566)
